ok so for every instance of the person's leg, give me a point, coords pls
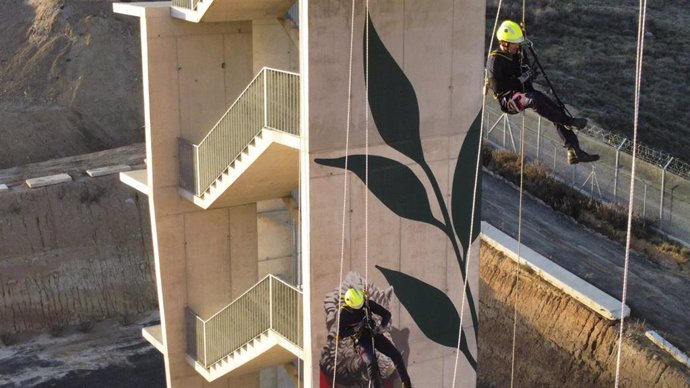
(568, 136)
(366, 352)
(386, 347)
(546, 108)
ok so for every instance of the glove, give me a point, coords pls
(528, 75)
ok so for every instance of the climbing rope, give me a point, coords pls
(366, 148)
(638, 81)
(474, 203)
(516, 289)
(519, 239)
(345, 178)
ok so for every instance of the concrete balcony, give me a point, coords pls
(229, 10)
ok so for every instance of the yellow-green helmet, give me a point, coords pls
(354, 298)
(509, 31)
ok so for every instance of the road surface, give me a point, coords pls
(656, 294)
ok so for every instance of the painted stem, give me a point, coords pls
(448, 229)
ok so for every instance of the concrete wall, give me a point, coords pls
(204, 258)
(439, 48)
(273, 46)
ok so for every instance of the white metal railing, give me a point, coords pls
(271, 304)
(189, 4)
(270, 101)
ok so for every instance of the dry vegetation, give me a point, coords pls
(609, 220)
(589, 48)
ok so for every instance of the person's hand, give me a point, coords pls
(528, 75)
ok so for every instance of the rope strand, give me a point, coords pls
(519, 241)
(474, 205)
(638, 82)
(345, 178)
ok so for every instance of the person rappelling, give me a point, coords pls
(510, 76)
(357, 323)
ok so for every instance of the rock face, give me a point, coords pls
(559, 342)
(74, 252)
(70, 79)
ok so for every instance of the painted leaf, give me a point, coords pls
(463, 184)
(430, 308)
(393, 183)
(392, 99)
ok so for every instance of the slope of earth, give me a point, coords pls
(70, 79)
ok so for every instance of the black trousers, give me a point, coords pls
(383, 345)
(546, 108)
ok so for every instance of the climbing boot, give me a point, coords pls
(584, 157)
(578, 123)
(572, 156)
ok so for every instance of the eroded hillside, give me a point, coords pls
(70, 79)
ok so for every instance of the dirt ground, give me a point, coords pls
(70, 79)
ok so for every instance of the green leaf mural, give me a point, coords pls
(431, 309)
(392, 99)
(463, 185)
(395, 110)
(393, 183)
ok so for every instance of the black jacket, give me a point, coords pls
(503, 70)
(353, 322)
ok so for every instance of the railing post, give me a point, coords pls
(265, 98)
(205, 350)
(663, 188)
(615, 171)
(270, 302)
(197, 172)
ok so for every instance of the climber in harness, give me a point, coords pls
(510, 76)
(357, 323)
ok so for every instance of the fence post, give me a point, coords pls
(538, 137)
(615, 171)
(663, 187)
(505, 122)
(644, 202)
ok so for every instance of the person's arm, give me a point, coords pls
(381, 311)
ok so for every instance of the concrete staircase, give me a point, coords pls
(252, 175)
(268, 349)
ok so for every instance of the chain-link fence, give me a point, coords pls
(608, 179)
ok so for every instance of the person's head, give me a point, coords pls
(510, 36)
(354, 298)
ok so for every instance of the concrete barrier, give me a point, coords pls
(668, 347)
(107, 170)
(48, 180)
(580, 290)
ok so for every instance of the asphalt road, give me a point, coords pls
(656, 294)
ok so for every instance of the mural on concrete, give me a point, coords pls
(395, 110)
(351, 370)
